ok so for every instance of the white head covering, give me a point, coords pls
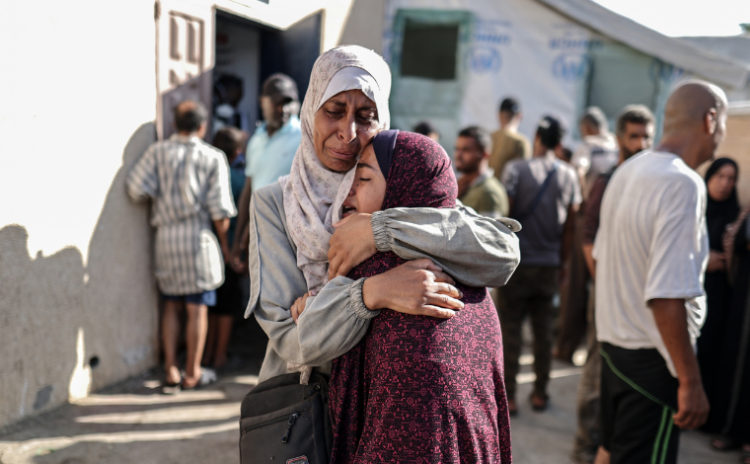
(313, 194)
(352, 78)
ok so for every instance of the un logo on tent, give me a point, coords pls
(484, 60)
(666, 72)
(570, 67)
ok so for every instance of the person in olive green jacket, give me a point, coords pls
(478, 188)
(507, 143)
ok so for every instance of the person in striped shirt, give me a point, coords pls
(188, 183)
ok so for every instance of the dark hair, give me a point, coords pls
(719, 214)
(719, 163)
(634, 114)
(550, 131)
(230, 81)
(595, 117)
(567, 154)
(480, 136)
(425, 128)
(189, 115)
(228, 139)
(279, 86)
(510, 105)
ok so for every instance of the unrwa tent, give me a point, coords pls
(454, 60)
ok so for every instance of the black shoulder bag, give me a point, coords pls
(284, 422)
(539, 194)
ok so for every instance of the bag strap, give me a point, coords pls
(540, 193)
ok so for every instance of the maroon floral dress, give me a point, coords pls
(419, 389)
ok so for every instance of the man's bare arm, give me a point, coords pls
(221, 226)
(588, 254)
(243, 215)
(567, 236)
(582, 182)
(671, 320)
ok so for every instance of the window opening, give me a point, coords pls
(429, 50)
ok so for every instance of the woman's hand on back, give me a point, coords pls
(351, 244)
(299, 305)
(417, 287)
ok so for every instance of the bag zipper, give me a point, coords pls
(263, 424)
(291, 420)
(290, 423)
(316, 389)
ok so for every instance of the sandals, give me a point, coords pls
(745, 454)
(565, 357)
(208, 376)
(723, 444)
(727, 444)
(512, 411)
(536, 406)
(169, 388)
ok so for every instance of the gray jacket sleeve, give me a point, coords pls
(332, 323)
(475, 250)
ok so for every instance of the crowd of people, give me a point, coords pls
(368, 263)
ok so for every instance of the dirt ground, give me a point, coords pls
(134, 423)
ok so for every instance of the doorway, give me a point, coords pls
(246, 53)
(197, 44)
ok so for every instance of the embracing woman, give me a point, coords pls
(418, 389)
(292, 224)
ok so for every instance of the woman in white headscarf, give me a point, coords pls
(291, 223)
(318, 183)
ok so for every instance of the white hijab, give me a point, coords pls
(313, 195)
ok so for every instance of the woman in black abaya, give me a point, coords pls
(722, 209)
(726, 372)
(730, 413)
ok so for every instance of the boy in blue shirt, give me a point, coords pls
(231, 297)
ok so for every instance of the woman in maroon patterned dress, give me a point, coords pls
(418, 389)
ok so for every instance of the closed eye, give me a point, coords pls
(367, 118)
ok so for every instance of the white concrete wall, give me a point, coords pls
(365, 25)
(78, 105)
(736, 145)
(78, 109)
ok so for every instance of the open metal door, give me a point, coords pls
(184, 57)
(292, 51)
(301, 44)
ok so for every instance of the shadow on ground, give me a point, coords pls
(542, 438)
(134, 422)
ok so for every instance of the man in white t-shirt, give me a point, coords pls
(598, 152)
(651, 252)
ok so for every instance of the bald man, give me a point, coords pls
(188, 182)
(651, 252)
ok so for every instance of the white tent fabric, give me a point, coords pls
(718, 69)
(518, 48)
(733, 47)
(555, 56)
